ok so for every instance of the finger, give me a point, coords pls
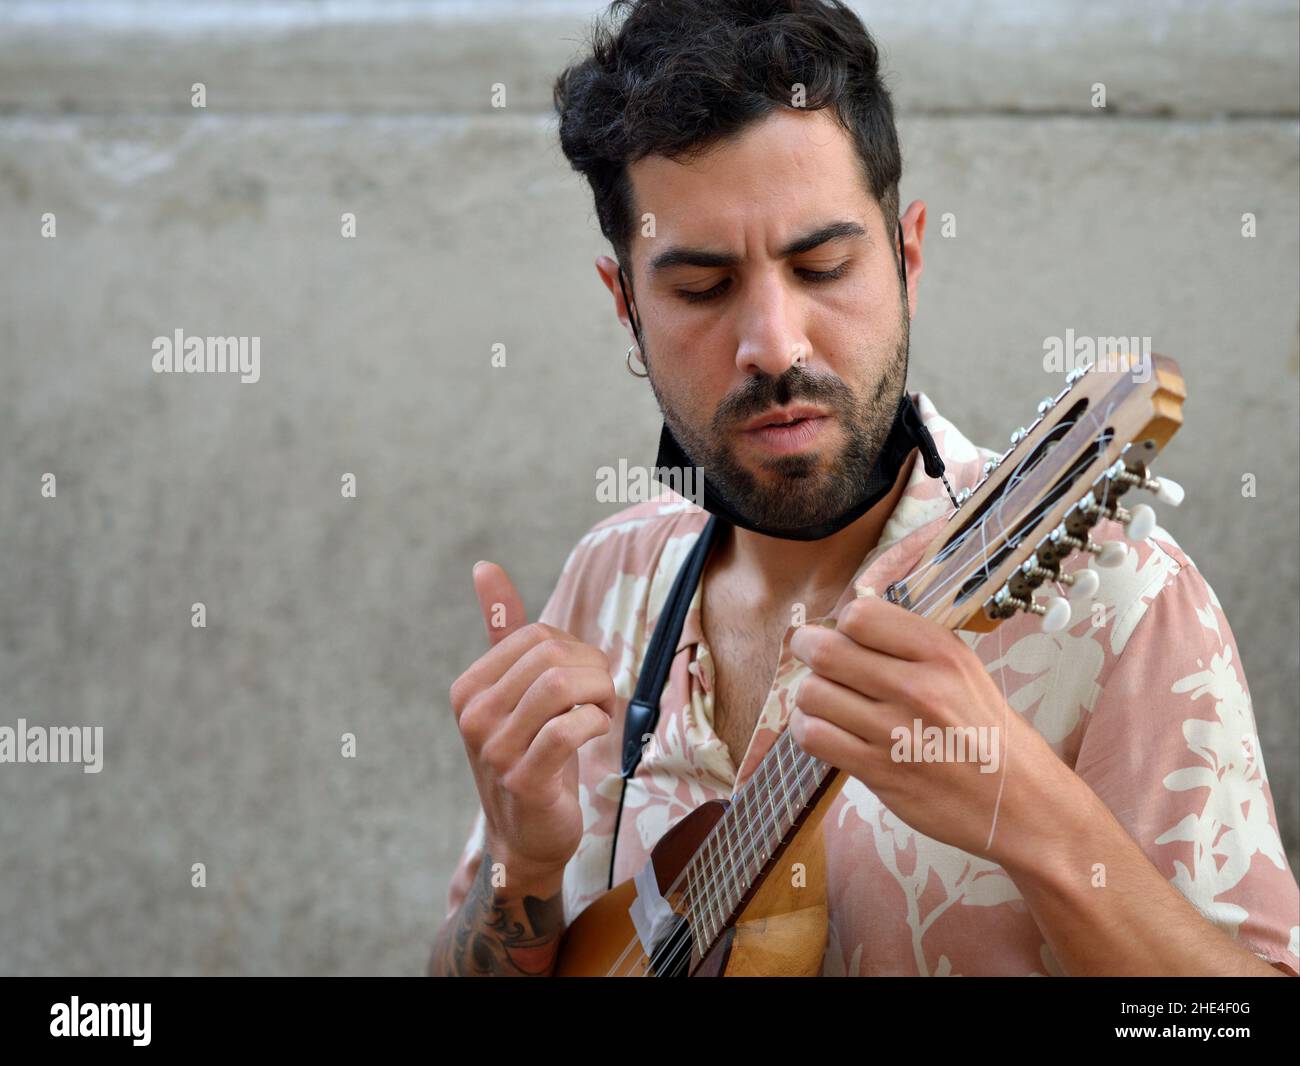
(556, 691)
(491, 666)
(827, 741)
(556, 742)
(835, 656)
(889, 628)
(560, 652)
(851, 711)
(501, 604)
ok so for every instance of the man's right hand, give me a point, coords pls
(524, 709)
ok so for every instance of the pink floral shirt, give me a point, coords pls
(1143, 695)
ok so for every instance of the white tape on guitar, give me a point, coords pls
(651, 914)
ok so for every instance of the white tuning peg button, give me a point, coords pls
(1169, 492)
(1086, 584)
(1141, 522)
(1057, 615)
(1113, 553)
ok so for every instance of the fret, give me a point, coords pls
(745, 842)
(772, 829)
(692, 914)
(753, 838)
(726, 855)
(719, 870)
(715, 882)
(732, 856)
(761, 847)
(799, 765)
(708, 878)
(779, 830)
(785, 783)
(703, 902)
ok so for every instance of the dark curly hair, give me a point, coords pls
(678, 76)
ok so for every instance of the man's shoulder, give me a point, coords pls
(622, 564)
(643, 525)
(1151, 572)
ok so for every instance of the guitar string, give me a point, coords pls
(958, 541)
(1006, 705)
(1017, 474)
(1012, 483)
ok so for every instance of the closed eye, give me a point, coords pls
(813, 277)
(823, 275)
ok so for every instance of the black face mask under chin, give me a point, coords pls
(907, 432)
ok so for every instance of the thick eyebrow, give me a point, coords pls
(702, 257)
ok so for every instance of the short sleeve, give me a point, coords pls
(1173, 751)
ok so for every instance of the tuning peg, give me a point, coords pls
(1046, 405)
(1168, 491)
(1056, 616)
(1111, 554)
(1141, 521)
(1083, 583)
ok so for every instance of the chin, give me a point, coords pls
(786, 471)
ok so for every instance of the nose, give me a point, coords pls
(772, 337)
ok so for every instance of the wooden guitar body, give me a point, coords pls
(780, 931)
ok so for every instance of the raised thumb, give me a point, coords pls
(501, 604)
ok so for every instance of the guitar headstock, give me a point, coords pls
(1038, 502)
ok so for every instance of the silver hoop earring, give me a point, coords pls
(630, 349)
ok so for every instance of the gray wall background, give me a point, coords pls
(328, 615)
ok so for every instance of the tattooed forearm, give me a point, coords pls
(497, 932)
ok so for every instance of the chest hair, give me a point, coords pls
(745, 653)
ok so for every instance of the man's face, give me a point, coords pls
(775, 327)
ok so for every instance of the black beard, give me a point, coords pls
(798, 496)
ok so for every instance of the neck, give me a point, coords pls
(777, 571)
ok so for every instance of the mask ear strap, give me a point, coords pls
(902, 257)
(632, 316)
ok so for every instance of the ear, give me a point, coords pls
(607, 268)
(913, 222)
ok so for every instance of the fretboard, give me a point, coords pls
(729, 866)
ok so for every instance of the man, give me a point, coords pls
(745, 168)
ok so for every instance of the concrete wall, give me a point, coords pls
(328, 615)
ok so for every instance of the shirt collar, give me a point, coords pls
(925, 498)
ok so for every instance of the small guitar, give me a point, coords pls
(717, 910)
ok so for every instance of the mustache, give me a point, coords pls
(758, 394)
